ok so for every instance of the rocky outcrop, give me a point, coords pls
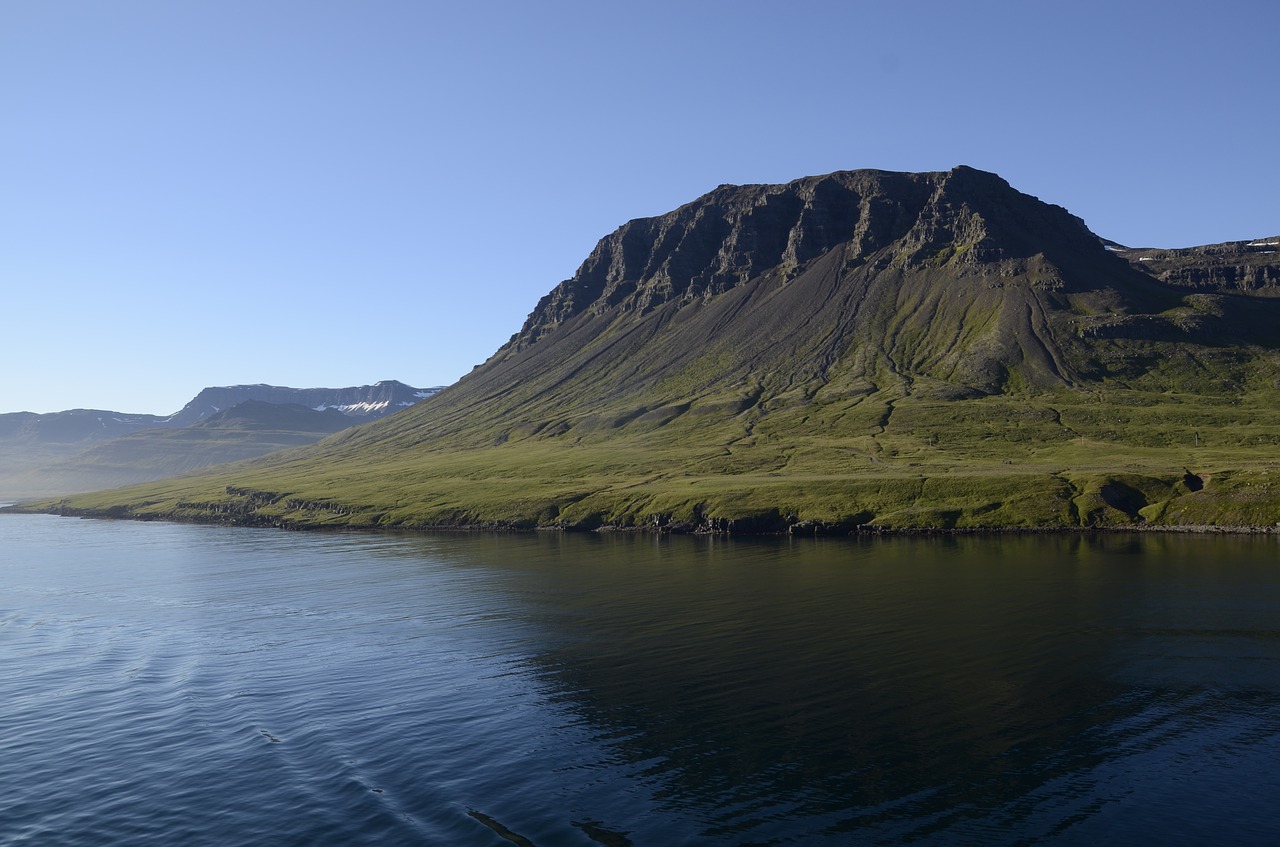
(736, 234)
(1240, 267)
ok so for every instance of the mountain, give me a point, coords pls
(950, 282)
(81, 449)
(1248, 267)
(366, 402)
(264, 416)
(858, 351)
(74, 425)
(247, 429)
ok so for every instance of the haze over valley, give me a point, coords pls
(43, 455)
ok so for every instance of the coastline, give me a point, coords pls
(724, 529)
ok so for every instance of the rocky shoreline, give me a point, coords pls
(718, 528)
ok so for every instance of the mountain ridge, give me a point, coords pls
(363, 401)
(650, 260)
(888, 285)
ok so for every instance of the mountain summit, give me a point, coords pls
(863, 349)
(873, 220)
(951, 276)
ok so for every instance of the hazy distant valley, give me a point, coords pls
(43, 455)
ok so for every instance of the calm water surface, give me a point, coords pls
(166, 684)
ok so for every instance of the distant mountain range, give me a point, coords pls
(84, 449)
(1244, 267)
(859, 351)
(363, 402)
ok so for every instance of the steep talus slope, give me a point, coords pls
(861, 349)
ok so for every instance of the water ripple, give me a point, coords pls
(165, 684)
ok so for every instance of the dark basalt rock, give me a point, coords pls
(736, 234)
(1248, 267)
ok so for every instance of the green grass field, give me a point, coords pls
(878, 461)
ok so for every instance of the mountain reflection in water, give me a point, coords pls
(914, 686)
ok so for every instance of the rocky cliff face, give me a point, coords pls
(953, 280)
(1239, 267)
(736, 234)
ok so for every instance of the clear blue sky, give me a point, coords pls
(319, 193)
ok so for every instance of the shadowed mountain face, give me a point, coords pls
(933, 350)
(872, 221)
(260, 415)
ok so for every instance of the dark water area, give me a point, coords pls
(168, 684)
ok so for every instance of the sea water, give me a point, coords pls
(171, 684)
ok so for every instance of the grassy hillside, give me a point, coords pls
(880, 460)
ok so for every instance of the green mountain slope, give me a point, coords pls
(858, 350)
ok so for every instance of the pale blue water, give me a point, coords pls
(166, 684)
